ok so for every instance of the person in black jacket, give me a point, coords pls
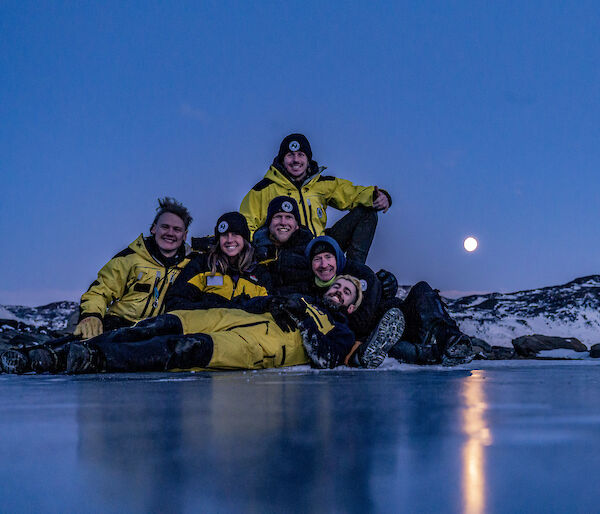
(327, 261)
(431, 336)
(280, 245)
(375, 331)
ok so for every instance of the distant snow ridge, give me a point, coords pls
(53, 316)
(569, 310)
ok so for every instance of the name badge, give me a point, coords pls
(216, 280)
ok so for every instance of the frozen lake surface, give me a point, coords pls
(515, 436)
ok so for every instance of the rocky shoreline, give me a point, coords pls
(25, 326)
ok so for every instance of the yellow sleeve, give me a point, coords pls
(108, 287)
(345, 195)
(253, 210)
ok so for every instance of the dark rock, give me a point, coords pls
(530, 346)
(595, 351)
(498, 353)
(481, 349)
(13, 324)
(29, 339)
(481, 344)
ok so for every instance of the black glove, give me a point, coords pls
(295, 305)
(389, 284)
(280, 314)
(287, 311)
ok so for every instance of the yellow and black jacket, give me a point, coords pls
(313, 196)
(198, 288)
(132, 285)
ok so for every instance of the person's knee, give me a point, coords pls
(191, 351)
(422, 287)
(366, 214)
(163, 324)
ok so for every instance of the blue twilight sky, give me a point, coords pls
(480, 118)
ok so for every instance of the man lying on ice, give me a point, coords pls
(268, 332)
(430, 335)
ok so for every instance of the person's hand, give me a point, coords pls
(287, 311)
(296, 306)
(381, 202)
(280, 314)
(389, 284)
(89, 327)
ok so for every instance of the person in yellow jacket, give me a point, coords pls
(227, 272)
(294, 174)
(133, 284)
(268, 332)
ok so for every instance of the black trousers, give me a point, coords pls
(354, 232)
(427, 320)
(154, 344)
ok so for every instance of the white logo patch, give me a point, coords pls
(319, 212)
(363, 285)
(294, 146)
(223, 226)
(287, 206)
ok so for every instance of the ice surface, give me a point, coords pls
(502, 436)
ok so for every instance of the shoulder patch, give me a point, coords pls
(265, 182)
(124, 253)
(325, 178)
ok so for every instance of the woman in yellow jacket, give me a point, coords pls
(227, 273)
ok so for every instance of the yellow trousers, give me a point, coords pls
(243, 340)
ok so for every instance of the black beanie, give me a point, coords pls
(294, 143)
(320, 247)
(232, 222)
(282, 204)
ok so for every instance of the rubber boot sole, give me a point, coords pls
(460, 351)
(387, 334)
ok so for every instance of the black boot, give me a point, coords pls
(429, 325)
(14, 362)
(459, 350)
(404, 351)
(47, 359)
(85, 358)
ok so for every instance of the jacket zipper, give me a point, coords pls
(158, 294)
(253, 324)
(152, 293)
(306, 218)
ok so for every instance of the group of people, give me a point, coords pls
(272, 287)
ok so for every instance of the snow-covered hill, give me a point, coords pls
(568, 310)
(53, 316)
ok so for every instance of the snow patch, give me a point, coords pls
(6, 314)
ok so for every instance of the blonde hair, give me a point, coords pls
(219, 262)
(356, 282)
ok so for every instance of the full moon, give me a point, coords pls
(470, 244)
